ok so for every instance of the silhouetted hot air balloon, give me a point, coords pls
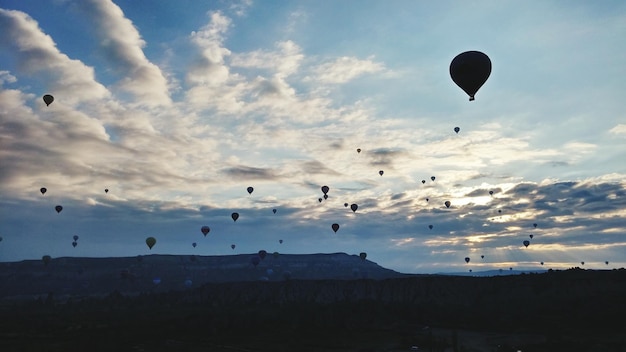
(280, 241)
(320, 199)
(423, 181)
(457, 129)
(74, 244)
(250, 190)
(381, 172)
(345, 205)
(194, 245)
(274, 211)
(432, 178)
(232, 246)
(46, 259)
(43, 190)
(582, 263)
(535, 225)
(75, 237)
(255, 260)
(48, 99)
(150, 241)
(467, 259)
(205, 230)
(447, 203)
(427, 199)
(541, 263)
(325, 196)
(607, 262)
(358, 150)
(58, 208)
(482, 257)
(106, 190)
(531, 236)
(235, 216)
(470, 70)
(325, 189)
(363, 255)
(262, 254)
(0, 238)
(526, 243)
(491, 193)
(430, 227)
(354, 207)
(335, 227)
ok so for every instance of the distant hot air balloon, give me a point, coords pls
(74, 244)
(320, 199)
(43, 190)
(232, 246)
(325, 196)
(345, 205)
(262, 254)
(205, 230)
(58, 208)
(607, 262)
(535, 225)
(499, 210)
(582, 263)
(335, 227)
(48, 99)
(467, 259)
(482, 257)
(235, 216)
(427, 199)
(531, 236)
(430, 227)
(358, 150)
(447, 203)
(106, 190)
(470, 70)
(250, 190)
(325, 189)
(354, 207)
(363, 255)
(255, 260)
(491, 193)
(75, 237)
(526, 243)
(274, 211)
(0, 238)
(280, 241)
(381, 172)
(150, 241)
(432, 178)
(423, 181)
(541, 263)
(457, 129)
(46, 259)
(194, 245)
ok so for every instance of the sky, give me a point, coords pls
(176, 108)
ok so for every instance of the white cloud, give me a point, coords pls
(7, 77)
(619, 129)
(284, 61)
(345, 69)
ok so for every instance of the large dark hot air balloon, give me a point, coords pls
(150, 241)
(250, 190)
(467, 259)
(381, 172)
(319, 200)
(531, 236)
(235, 216)
(526, 243)
(363, 255)
(335, 227)
(43, 190)
(48, 99)
(106, 190)
(447, 203)
(358, 150)
(457, 129)
(325, 189)
(274, 211)
(354, 207)
(432, 178)
(205, 230)
(470, 70)
(58, 208)
(430, 227)
(423, 181)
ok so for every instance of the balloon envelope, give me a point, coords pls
(274, 211)
(432, 178)
(205, 230)
(467, 259)
(381, 172)
(335, 227)
(447, 203)
(232, 246)
(235, 216)
(325, 189)
(250, 190)
(58, 208)
(457, 129)
(48, 99)
(43, 190)
(75, 237)
(470, 70)
(74, 244)
(430, 227)
(150, 241)
(363, 255)
(358, 150)
(526, 243)
(354, 207)
(106, 190)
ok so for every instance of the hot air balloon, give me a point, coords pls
(470, 70)
(280, 241)
(75, 237)
(335, 227)
(457, 129)
(48, 99)
(325, 196)
(541, 263)
(354, 207)
(235, 216)
(43, 190)
(358, 150)
(363, 255)
(205, 230)
(432, 178)
(232, 246)
(194, 245)
(345, 205)
(535, 225)
(325, 189)
(0, 238)
(526, 243)
(58, 208)
(482, 257)
(447, 203)
(46, 259)
(262, 254)
(467, 259)
(320, 199)
(74, 244)
(255, 260)
(582, 263)
(274, 211)
(106, 190)
(423, 181)
(607, 262)
(430, 227)
(250, 190)
(427, 199)
(531, 236)
(491, 193)
(150, 241)
(499, 210)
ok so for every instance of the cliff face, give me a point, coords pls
(161, 273)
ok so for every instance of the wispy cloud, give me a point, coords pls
(345, 69)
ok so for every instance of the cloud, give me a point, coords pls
(345, 69)
(70, 81)
(283, 62)
(7, 77)
(250, 173)
(619, 129)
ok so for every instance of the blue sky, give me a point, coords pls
(178, 107)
